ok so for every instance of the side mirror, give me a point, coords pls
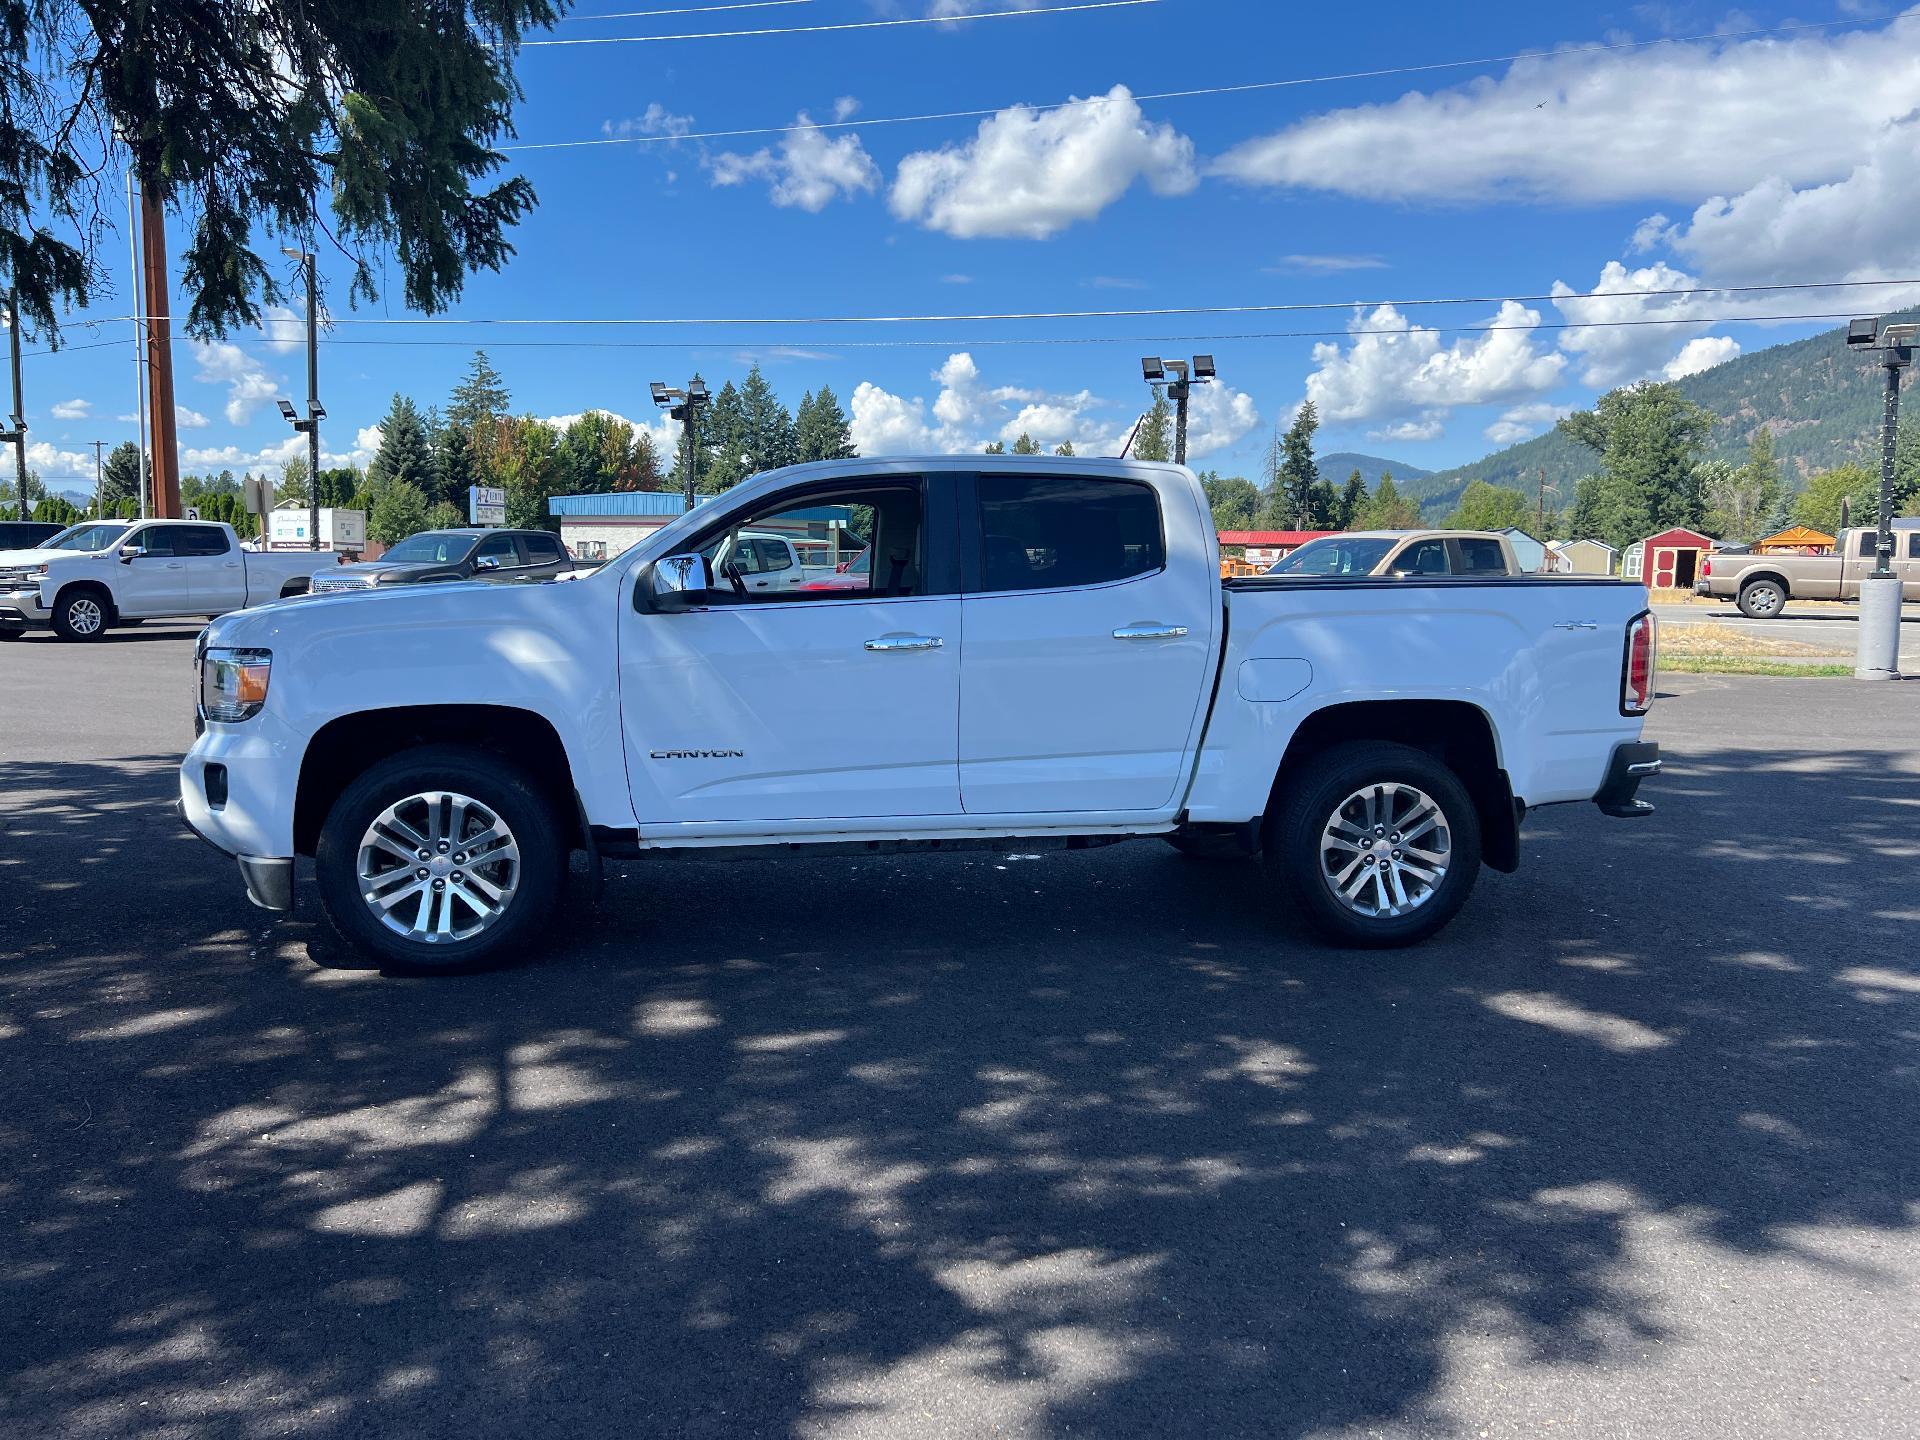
(131, 553)
(678, 579)
(487, 562)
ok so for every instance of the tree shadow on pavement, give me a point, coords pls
(909, 1147)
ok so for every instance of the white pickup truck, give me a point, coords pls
(102, 573)
(1044, 651)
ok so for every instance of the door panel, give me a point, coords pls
(155, 583)
(1084, 697)
(216, 574)
(782, 712)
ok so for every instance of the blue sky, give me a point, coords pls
(1738, 161)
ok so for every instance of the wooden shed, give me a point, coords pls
(1672, 558)
(1796, 540)
(1585, 557)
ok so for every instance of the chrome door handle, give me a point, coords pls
(1576, 625)
(176, 565)
(906, 642)
(1150, 632)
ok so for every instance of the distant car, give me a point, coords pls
(436, 555)
(1402, 554)
(1761, 584)
(26, 534)
(854, 574)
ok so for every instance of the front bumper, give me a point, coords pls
(21, 609)
(1631, 763)
(235, 796)
(269, 882)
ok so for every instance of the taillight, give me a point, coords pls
(1706, 567)
(1636, 673)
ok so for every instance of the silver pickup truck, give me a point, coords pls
(1762, 584)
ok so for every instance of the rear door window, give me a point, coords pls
(199, 540)
(1427, 557)
(1481, 557)
(542, 549)
(499, 547)
(1049, 532)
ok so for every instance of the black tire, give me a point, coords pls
(1209, 847)
(11, 632)
(82, 612)
(1307, 803)
(1762, 599)
(496, 784)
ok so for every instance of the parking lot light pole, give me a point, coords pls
(1179, 378)
(684, 406)
(1880, 593)
(315, 413)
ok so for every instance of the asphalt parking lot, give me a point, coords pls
(987, 1145)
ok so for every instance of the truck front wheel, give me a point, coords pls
(1374, 844)
(440, 858)
(81, 613)
(1762, 599)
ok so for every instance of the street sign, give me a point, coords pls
(193, 512)
(259, 494)
(486, 505)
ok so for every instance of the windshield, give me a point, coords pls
(1335, 555)
(430, 549)
(95, 536)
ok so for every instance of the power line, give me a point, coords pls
(966, 341)
(843, 25)
(687, 10)
(1291, 307)
(1250, 87)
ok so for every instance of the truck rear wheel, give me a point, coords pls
(440, 858)
(1375, 845)
(1762, 599)
(81, 612)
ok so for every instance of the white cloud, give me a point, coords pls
(1620, 342)
(966, 413)
(249, 386)
(1523, 422)
(1702, 353)
(72, 409)
(189, 419)
(56, 466)
(1396, 370)
(1685, 119)
(1218, 416)
(1325, 264)
(956, 279)
(809, 170)
(1432, 427)
(1032, 174)
(657, 120)
(284, 330)
(664, 432)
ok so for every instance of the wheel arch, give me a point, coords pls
(1749, 577)
(348, 745)
(96, 587)
(1458, 733)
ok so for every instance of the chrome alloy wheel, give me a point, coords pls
(85, 616)
(438, 867)
(1385, 850)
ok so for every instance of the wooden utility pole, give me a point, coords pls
(153, 265)
(1540, 515)
(99, 482)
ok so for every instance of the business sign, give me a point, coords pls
(339, 530)
(192, 513)
(486, 505)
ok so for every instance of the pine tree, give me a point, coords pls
(1065, 447)
(1154, 439)
(1353, 501)
(645, 473)
(1025, 445)
(294, 487)
(1293, 499)
(478, 405)
(120, 477)
(403, 452)
(723, 441)
(452, 467)
(768, 439)
(998, 447)
(400, 511)
(821, 431)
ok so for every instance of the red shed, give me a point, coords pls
(1672, 558)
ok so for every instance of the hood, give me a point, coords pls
(9, 559)
(279, 623)
(390, 572)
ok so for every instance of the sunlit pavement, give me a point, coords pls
(970, 1146)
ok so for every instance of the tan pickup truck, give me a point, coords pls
(1761, 585)
(1402, 554)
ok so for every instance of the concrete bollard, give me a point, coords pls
(1879, 656)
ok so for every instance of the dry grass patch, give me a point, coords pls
(1725, 642)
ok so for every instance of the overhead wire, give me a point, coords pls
(685, 10)
(844, 25)
(1187, 94)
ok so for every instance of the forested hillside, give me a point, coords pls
(1821, 402)
(1342, 463)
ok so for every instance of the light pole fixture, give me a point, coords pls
(1179, 376)
(1891, 347)
(310, 427)
(684, 406)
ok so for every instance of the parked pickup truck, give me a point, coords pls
(1761, 585)
(1046, 653)
(433, 556)
(115, 572)
(1402, 554)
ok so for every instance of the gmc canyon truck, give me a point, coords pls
(1043, 653)
(1761, 585)
(104, 573)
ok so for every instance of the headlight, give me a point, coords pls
(233, 683)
